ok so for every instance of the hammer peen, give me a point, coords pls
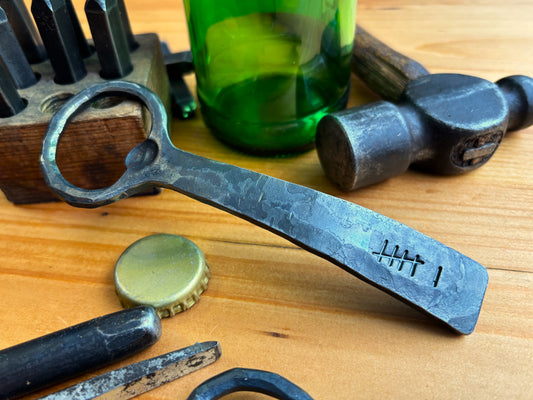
(440, 123)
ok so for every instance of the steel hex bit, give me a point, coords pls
(13, 56)
(20, 20)
(83, 45)
(126, 24)
(109, 38)
(55, 25)
(248, 380)
(10, 101)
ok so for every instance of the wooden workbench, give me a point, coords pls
(274, 306)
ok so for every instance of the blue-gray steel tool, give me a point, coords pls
(61, 38)
(83, 45)
(391, 256)
(127, 26)
(136, 379)
(10, 101)
(25, 31)
(82, 348)
(440, 123)
(13, 57)
(109, 36)
(248, 380)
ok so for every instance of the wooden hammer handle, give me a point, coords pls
(384, 70)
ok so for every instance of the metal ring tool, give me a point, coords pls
(248, 380)
(387, 254)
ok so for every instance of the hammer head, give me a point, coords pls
(443, 123)
(460, 121)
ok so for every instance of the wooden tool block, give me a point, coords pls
(91, 154)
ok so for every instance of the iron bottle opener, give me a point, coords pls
(385, 253)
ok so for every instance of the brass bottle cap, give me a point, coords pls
(167, 272)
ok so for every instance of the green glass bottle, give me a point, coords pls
(268, 70)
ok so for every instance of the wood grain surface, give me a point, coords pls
(274, 306)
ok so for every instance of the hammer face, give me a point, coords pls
(463, 120)
(365, 145)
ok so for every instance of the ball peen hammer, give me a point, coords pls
(439, 123)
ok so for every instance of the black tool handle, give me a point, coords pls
(78, 349)
(383, 69)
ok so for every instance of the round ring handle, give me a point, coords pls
(130, 182)
(248, 380)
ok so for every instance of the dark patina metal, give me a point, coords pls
(10, 101)
(79, 349)
(12, 55)
(25, 31)
(134, 379)
(438, 123)
(248, 380)
(385, 253)
(109, 36)
(61, 38)
(178, 65)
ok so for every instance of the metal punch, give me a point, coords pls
(135, 379)
(385, 253)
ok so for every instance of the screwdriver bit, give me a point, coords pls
(126, 24)
(10, 101)
(109, 38)
(83, 45)
(13, 56)
(393, 257)
(135, 379)
(20, 20)
(55, 25)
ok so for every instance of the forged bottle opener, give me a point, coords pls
(385, 253)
